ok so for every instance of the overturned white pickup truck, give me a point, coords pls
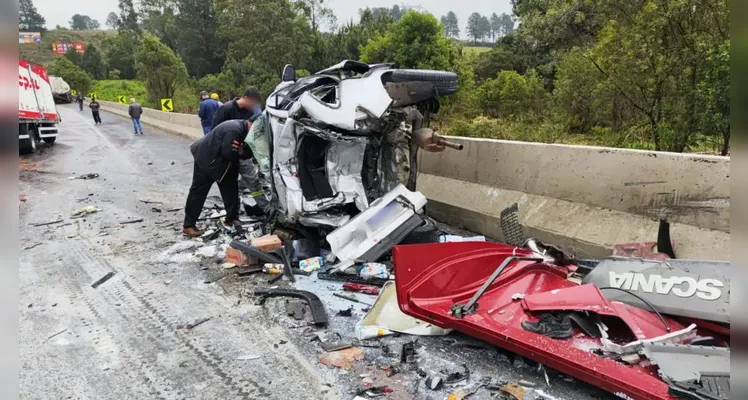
(345, 136)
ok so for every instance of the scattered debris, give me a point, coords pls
(526, 383)
(32, 246)
(174, 209)
(319, 315)
(374, 270)
(267, 243)
(22, 197)
(334, 346)
(434, 382)
(311, 264)
(194, 324)
(48, 223)
(91, 175)
(58, 333)
(408, 352)
(345, 313)
(342, 358)
(85, 210)
(272, 269)
(156, 209)
(103, 279)
(248, 357)
(385, 318)
(295, 309)
(360, 288)
(131, 221)
(515, 390)
(150, 201)
(349, 298)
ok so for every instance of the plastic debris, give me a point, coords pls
(360, 288)
(455, 238)
(342, 358)
(248, 357)
(434, 382)
(85, 210)
(515, 390)
(272, 269)
(311, 264)
(374, 270)
(92, 175)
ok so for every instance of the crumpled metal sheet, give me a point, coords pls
(682, 363)
(345, 159)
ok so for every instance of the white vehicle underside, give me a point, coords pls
(331, 143)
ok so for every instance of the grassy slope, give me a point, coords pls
(42, 53)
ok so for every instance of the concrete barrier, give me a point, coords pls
(585, 199)
(187, 125)
(589, 198)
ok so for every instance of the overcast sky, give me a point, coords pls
(59, 12)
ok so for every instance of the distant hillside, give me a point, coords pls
(42, 53)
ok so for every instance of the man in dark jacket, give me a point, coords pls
(208, 108)
(94, 105)
(244, 107)
(216, 157)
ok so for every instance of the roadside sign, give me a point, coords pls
(73, 92)
(122, 99)
(167, 105)
(93, 96)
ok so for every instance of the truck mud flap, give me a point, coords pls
(319, 315)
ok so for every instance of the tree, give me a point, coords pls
(119, 50)
(74, 57)
(318, 13)
(506, 95)
(112, 20)
(451, 25)
(159, 18)
(71, 73)
(496, 25)
(266, 24)
(161, 70)
(197, 40)
(416, 41)
(485, 27)
(83, 23)
(29, 20)
(92, 62)
(474, 27)
(506, 24)
(128, 17)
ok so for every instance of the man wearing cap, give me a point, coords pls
(208, 108)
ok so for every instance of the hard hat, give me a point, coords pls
(214, 96)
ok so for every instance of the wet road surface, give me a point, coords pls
(125, 339)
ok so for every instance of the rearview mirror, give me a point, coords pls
(289, 73)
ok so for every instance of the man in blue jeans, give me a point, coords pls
(135, 111)
(207, 110)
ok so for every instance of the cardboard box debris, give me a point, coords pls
(267, 243)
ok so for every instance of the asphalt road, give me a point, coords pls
(122, 339)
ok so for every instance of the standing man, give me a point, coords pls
(80, 102)
(214, 96)
(245, 107)
(135, 111)
(94, 105)
(207, 110)
(217, 156)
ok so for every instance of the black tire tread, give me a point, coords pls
(445, 82)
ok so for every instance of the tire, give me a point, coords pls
(49, 139)
(28, 146)
(444, 82)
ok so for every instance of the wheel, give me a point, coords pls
(49, 139)
(27, 146)
(444, 82)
